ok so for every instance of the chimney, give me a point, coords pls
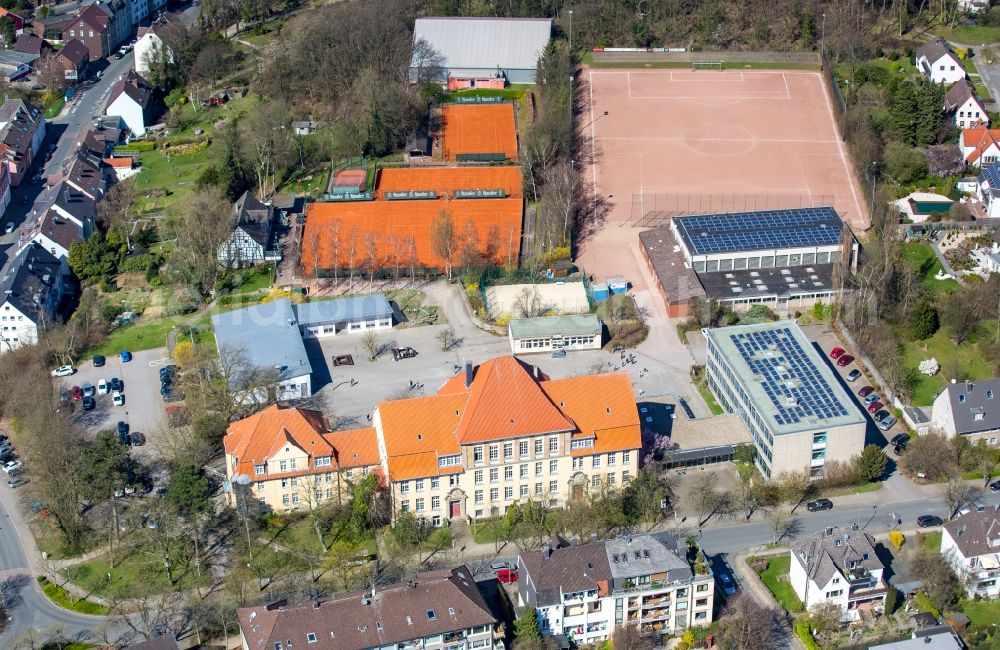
(538, 373)
(468, 374)
(546, 550)
(316, 604)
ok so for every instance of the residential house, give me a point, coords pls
(584, 592)
(295, 460)
(438, 610)
(54, 233)
(502, 433)
(970, 409)
(987, 190)
(4, 188)
(52, 27)
(22, 130)
(31, 44)
(965, 107)
(123, 166)
(149, 46)
(131, 100)
(971, 543)
(252, 240)
(980, 146)
(937, 62)
(74, 57)
(70, 203)
(548, 333)
(85, 173)
(938, 637)
(14, 64)
(304, 127)
(101, 26)
(164, 642)
(31, 288)
(840, 566)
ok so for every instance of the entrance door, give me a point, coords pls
(577, 491)
(456, 509)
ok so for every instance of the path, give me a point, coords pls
(755, 588)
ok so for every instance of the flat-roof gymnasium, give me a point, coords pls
(756, 231)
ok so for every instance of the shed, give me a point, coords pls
(324, 318)
(600, 292)
(616, 284)
(547, 333)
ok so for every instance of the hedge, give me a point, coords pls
(805, 635)
(141, 145)
(137, 263)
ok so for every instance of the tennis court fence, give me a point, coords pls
(651, 210)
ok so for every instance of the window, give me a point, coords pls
(258, 470)
(626, 477)
(538, 446)
(323, 461)
(431, 615)
(436, 482)
(508, 492)
(524, 471)
(494, 453)
(553, 445)
(404, 487)
(418, 485)
(284, 499)
(611, 480)
(581, 443)
(553, 467)
(260, 485)
(291, 464)
(836, 581)
(282, 466)
(477, 455)
(596, 461)
(626, 456)
(494, 474)
(479, 496)
(524, 491)
(595, 482)
(284, 483)
(404, 505)
(538, 469)
(311, 637)
(479, 476)
(494, 494)
(435, 503)
(553, 487)
(522, 448)
(450, 461)
(612, 457)
(508, 473)
(835, 594)
(508, 450)
(578, 463)
(701, 588)
(420, 505)
(538, 489)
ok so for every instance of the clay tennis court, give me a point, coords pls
(478, 129)
(683, 141)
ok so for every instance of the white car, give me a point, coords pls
(102, 387)
(11, 465)
(63, 371)
(118, 398)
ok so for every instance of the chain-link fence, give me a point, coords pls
(651, 210)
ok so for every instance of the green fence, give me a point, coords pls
(481, 157)
(831, 81)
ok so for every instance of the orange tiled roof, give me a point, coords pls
(354, 447)
(478, 128)
(981, 138)
(119, 162)
(602, 406)
(332, 228)
(418, 430)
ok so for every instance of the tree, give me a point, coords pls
(824, 617)
(201, 225)
(443, 239)
(904, 164)
(628, 637)
(959, 212)
(781, 525)
(960, 317)
(8, 31)
(958, 494)
(748, 625)
(526, 626)
(116, 209)
(929, 457)
(95, 258)
(944, 160)
(371, 255)
(941, 585)
(871, 463)
(50, 73)
(266, 142)
(371, 344)
(923, 321)
(190, 491)
(447, 338)
(985, 461)
(796, 488)
(704, 497)
(470, 254)
(897, 539)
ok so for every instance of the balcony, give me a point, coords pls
(631, 588)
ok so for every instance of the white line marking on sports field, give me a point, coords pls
(843, 159)
(593, 138)
(750, 139)
(788, 94)
(805, 178)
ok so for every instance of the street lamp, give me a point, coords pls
(570, 35)
(822, 37)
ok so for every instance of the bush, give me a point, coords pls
(923, 321)
(138, 263)
(897, 539)
(139, 145)
(802, 631)
(891, 600)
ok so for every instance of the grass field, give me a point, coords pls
(922, 258)
(983, 612)
(53, 109)
(973, 35)
(64, 599)
(138, 573)
(709, 398)
(942, 348)
(147, 335)
(775, 577)
(176, 176)
(930, 541)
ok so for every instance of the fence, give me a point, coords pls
(804, 59)
(650, 210)
(838, 97)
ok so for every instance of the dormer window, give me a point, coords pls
(323, 461)
(961, 398)
(989, 394)
(311, 637)
(258, 470)
(431, 615)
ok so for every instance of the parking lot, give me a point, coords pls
(143, 409)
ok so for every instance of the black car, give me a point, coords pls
(89, 403)
(819, 504)
(880, 415)
(899, 439)
(122, 432)
(168, 371)
(899, 449)
(925, 521)
(995, 486)
(116, 384)
(99, 361)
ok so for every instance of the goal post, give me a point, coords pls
(706, 65)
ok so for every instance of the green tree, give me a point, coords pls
(930, 98)
(526, 626)
(743, 453)
(903, 163)
(95, 258)
(8, 31)
(923, 321)
(190, 490)
(106, 467)
(210, 427)
(904, 118)
(870, 464)
(891, 600)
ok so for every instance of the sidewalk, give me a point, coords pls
(753, 587)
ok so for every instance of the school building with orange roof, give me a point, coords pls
(485, 203)
(499, 433)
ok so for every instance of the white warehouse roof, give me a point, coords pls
(478, 43)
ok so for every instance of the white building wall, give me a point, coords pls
(970, 114)
(797, 576)
(16, 329)
(942, 419)
(130, 112)
(946, 70)
(145, 47)
(332, 328)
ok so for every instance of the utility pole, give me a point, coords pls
(571, 36)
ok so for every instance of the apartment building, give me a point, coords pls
(840, 566)
(583, 592)
(971, 544)
(798, 415)
(503, 432)
(291, 459)
(442, 610)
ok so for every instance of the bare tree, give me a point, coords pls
(201, 226)
(265, 141)
(116, 209)
(310, 491)
(704, 497)
(352, 249)
(781, 525)
(796, 488)
(470, 254)
(528, 303)
(447, 338)
(749, 625)
(51, 74)
(235, 384)
(410, 255)
(443, 239)
(371, 344)
(958, 494)
(561, 192)
(428, 64)
(371, 255)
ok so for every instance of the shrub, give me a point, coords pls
(891, 600)
(802, 631)
(897, 538)
(139, 145)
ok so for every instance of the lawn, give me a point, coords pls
(143, 335)
(983, 612)
(970, 34)
(942, 348)
(922, 258)
(174, 175)
(857, 489)
(930, 541)
(64, 599)
(709, 398)
(138, 573)
(901, 69)
(53, 109)
(775, 577)
(487, 531)
(515, 92)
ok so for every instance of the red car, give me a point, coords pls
(76, 392)
(875, 406)
(507, 576)
(866, 391)
(836, 353)
(845, 360)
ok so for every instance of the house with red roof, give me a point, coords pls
(980, 146)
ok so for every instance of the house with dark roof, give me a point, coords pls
(440, 609)
(164, 642)
(22, 130)
(74, 57)
(52, 26)
(31, 44)
(584, 591)
(987, 189)
(131, 100)
(31, 288)
(295, 460)
(937, 637)
(101, 26)
(84, 173)
(964, 106)
(54, 233)
(937, 62)
(970, 409)
(14, 18)
(971, 544)
(252, 241)
(839, 566)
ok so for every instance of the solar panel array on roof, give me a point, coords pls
(764, 230)
(792, 383)
(991, 176)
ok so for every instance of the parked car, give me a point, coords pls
(899, 450)
(118, 398)
(63, 371)
(102, 387)
(99, 361)
(16, 482)
(496, 567)
(126, 356)
(64, 395)
(173, 397)
(875, 406)
(506, 576)
(845, 360)
(76, 392)
(900, 439)
(343, 360)
(122, 429)
(880, 415)
(116, 384)
(925, 521)
(118, 55)
(836, 353)
(88, 389)
(12, 465)
(727, 584)
(995, 486)
(887, 423)
(871, 397)
(89, 403)
(819, 504)
(854, 375)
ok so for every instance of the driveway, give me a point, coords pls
(990, 74)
